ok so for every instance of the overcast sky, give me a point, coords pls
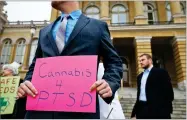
(28, 10)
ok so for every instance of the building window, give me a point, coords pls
(119, 14)
(33, 50)
(93, 12)
(149, 13)
(183, 7)
(6, 51)
(168, 12)
(125, 79)
(20, 51)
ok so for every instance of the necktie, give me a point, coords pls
(60, 35)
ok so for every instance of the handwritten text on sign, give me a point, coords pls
(63, 84)
(8, 89)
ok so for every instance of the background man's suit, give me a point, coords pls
(159, 93)
(89, 37)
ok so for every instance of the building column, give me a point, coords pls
(139, 13)
(161, 6)
(142, 45)
(12, 53)
(26, 56)
(179, 50)
(131, 11)
(105, 12)
(176, 12)
(54, 15)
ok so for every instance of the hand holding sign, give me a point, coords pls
(26, 88)
(102, 88)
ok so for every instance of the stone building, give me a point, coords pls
(136, 27)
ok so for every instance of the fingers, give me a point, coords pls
(21, 92)
(102, 88)
(103, 91)
(31, 87)
(26, 88)
(17, 97)
(20, 95)
(96, 84)
(107, 94)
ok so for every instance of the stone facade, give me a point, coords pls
(164, 39)
(3, 15)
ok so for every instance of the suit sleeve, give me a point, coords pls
(112, 62)
(167, 87)
(38, 54)
(134, 110)
(133, 114)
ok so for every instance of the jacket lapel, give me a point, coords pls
(81, 23)
(51, 39)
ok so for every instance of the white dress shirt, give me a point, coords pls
(142, 96)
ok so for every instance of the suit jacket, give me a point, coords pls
(89, 37)
(159, 92)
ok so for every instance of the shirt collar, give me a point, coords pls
(149, 69)
(74, 15)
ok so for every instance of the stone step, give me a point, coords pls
(180, 100)
(133, 100)
(182, 106)
(179, 103)
(127, 116)
(174, 104)
(178, 116)
(179, 107)
(179, 112)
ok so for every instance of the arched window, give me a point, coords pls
(168, 11)
(20, 51)
(6, 50)
(150, 13)
(33, 50)
(93, 12)
(183, 7)
(119, 14)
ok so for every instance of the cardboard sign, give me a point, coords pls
(8, 92)
(63, 84)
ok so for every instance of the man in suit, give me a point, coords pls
(154, 94)
(73, 34)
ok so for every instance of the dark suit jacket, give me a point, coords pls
(89, 37)
(159, 92)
